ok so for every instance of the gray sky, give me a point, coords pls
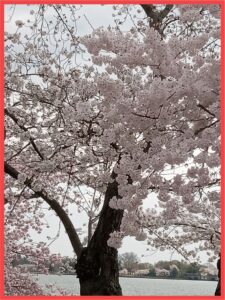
(90, 16)
(97, 16)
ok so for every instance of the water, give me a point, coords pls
(139, 286)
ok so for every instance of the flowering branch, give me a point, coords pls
(70, 229)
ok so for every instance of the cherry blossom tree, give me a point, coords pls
(20, 217)
(141, 116)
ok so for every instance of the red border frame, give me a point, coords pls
(111, 2)
(2, 2)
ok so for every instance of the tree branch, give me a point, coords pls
(195, 226)
(70, 229)
(26, 130)
(203, 128)
(156, 17)
(206, 110)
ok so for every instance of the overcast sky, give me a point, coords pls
(97, 15)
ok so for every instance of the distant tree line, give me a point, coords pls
(66, 265)
(176, 269)
(129, 261)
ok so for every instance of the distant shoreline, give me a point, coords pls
(166, 278)
(133, 276)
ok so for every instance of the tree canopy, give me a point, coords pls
(141, 117)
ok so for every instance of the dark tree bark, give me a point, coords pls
(218, 288)
(97, 266)
(156, 17)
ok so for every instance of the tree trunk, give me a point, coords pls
(97, 266)
(218, 288)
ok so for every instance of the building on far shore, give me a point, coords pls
(162, 272)
(209, 272)
(142, 272)
(123, 272)
(28, 268)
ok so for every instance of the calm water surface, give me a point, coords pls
(139, 286)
